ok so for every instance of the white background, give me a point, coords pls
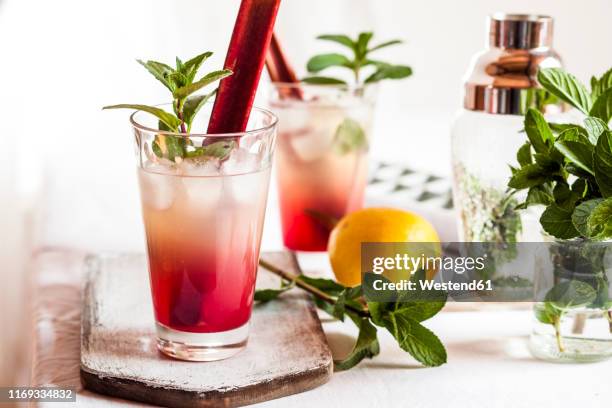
(64, 59)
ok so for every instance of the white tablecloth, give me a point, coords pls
(488, 365)
(488, 361)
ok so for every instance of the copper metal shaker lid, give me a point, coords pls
(502, 79)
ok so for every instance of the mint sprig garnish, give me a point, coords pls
(181, 82)
(356, 62)
(402, 316)
(568, 167)
(349, 134)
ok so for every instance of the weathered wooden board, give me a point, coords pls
(287, 351)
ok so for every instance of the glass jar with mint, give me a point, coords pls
(566, 170)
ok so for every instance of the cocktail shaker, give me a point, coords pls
(500, 86)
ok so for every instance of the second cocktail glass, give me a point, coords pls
(322, 159)
(203, 216)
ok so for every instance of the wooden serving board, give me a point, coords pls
(287, 351)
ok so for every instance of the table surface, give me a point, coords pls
(488, 361)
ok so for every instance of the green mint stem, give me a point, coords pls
(183, 128)
(557, 326)
(288, 276)
(179, 114)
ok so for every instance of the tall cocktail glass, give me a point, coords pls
(322, 158)
(203, 217)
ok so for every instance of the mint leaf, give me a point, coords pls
(385, 44)
(573, 134)
(340, 39)
(320, 80)
(603, 294)
(546, 313)
(566, 87)
(528, 176)
(549, 162)
(581, 154)
(564, 196)
(599, 86)
(417, 340)
(157, 149)
(581, 215)
(600, 221)
(366, 346)
(323, 61)
(420, 304)
(378, 310)
(539, 133)
(160, 71)
(539, 195)
(389, 72)
(580, 187)
(169, 147)
(266, 295)
(175, 147)
(562, 127)
(402, 315)
(523, 156)
(349, 137)
(338, 310)
(192, 106)
(179, 81)
(602, 108)
(417, 304)
(557, 221)
(361, 48)
(374, 63)
(179, 64)
(387, 297)
(220, 150)
(167, 118)
(192, 66)
(571, 294)
(595, 127)
(326, 285)
(420, 310)
(184, 91)
(602, 163)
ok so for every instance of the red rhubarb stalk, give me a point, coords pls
(245, 58)
(281, 71)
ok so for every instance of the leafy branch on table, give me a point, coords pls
(402, 317)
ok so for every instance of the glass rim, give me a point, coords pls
(576, 240)
(257, 130)
(347, 87)
(521, 17)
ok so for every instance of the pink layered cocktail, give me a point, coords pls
(203, 216)
(322, 159)
(203, 237)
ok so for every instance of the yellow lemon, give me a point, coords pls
(373, 225)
